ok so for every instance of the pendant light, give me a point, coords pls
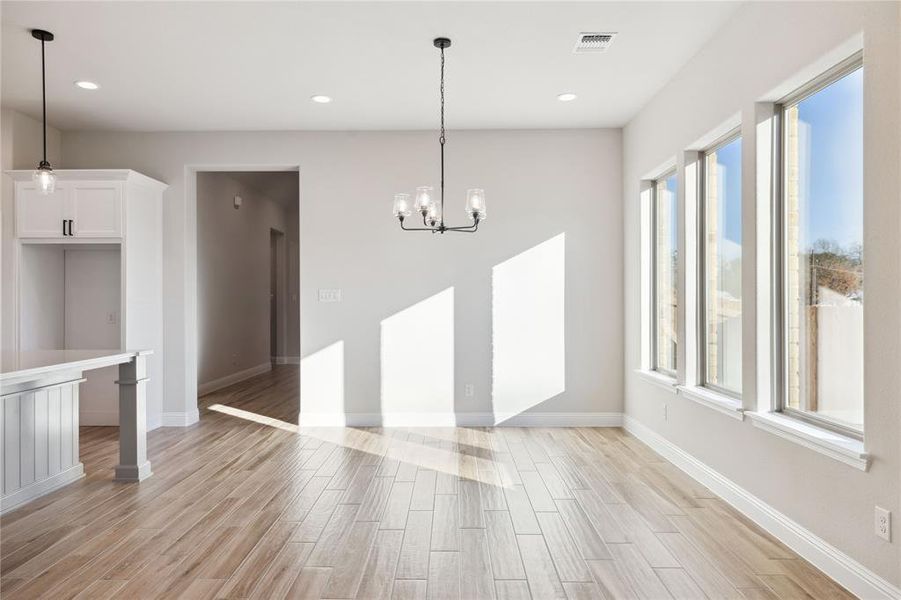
(424, 203)
(44, 177)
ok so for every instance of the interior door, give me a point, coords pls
(96, 209)
(40, 216)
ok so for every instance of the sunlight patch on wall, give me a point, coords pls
(322, 382)
(417, 357)
(529, 363)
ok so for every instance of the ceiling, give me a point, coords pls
(195, 66)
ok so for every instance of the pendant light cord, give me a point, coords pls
(442, 139)
(44, 101)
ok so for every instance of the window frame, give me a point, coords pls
(724, 140)
(672, 172)
(780, 358)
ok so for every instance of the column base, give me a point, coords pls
(132, 473)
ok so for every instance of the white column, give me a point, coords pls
(133, 464)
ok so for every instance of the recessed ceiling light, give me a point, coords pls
(87, 85)
(321, 99)
(566, 97)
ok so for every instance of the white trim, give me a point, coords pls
(480, 419)
(92, 175)
(40, 488)
(731, 407)
(714, 138)
(825, 557)
(834, 445)
(659, 379)
(662, 169)
(223, 382)
(179, 419)
(286, 360)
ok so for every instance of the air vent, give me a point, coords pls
(593, 42)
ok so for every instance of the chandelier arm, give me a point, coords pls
(415, 228)
(465, 229)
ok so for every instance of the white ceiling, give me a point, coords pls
(189, 66)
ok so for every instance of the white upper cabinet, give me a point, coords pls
(40, 216)
(89, 205)
(96, 209)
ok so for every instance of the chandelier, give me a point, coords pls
(432, 211)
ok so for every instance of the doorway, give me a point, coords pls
(248, 312)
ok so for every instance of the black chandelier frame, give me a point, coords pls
(438, 225)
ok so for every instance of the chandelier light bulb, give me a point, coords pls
(475, 203)
(423, 198)
(401, 205)
(434, 213)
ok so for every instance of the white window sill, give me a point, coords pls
(659, 379)
(727, 405)
(834, 445)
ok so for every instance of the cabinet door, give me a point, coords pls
(37, 215)
(96, 209)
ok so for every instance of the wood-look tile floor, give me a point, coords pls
(243, 505)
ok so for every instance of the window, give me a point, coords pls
(721, 267)
(665, 255)
(822, 252)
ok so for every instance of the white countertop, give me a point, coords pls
(39, 362)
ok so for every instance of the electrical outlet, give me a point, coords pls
(665, 415)
(469, 390)
(884, 523)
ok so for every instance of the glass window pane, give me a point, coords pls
(823, 207)
(665, 285)
(722, 266)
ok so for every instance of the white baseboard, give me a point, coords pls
(180, 419)
(482, 419)
(41, 488)
(827, 558)
(286, 360)
(223, 382)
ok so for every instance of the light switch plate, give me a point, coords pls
(326, 295)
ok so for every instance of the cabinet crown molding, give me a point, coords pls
(128, 175)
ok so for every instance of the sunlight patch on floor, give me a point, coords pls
(467, 466)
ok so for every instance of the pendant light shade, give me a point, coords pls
(44, 178)
(402, 205)
(475, 204)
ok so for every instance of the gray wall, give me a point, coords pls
(539, 184)
(760, 54)
(233, 275)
